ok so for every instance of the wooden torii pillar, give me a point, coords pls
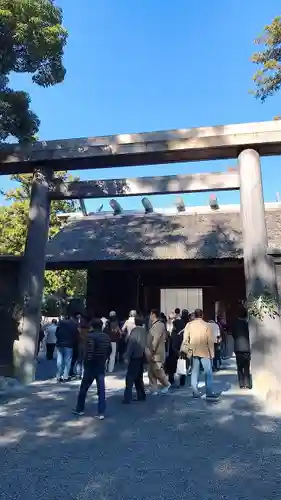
(260, 277)
(32, 276)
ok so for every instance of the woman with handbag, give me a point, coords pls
(174, 354)
(176, 365)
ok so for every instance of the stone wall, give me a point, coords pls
(9, 273)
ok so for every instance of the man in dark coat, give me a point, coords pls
(240, 333)
(135, 356)
(175, 345)
(67, 336)
(98, 350)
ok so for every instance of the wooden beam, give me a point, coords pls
(192, 144)
(146, 186)
(148, 265)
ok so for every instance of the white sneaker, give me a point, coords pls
(100, 417)
(78, 413)
(165, 390)
(151, 391)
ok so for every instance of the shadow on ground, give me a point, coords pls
(171, 447)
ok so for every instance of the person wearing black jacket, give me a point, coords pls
(113, 330)
(135, 356)
(67, 335)
(240, 333)
(98, 350)
(175, 343)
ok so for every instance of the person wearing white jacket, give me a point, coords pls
(51, 339)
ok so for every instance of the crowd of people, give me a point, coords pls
(171, 348)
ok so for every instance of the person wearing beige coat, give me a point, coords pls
(198, 342)
(156, 345)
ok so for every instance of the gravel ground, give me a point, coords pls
(171, 447)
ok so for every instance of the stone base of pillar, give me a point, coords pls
(266, 362)
(23, 357)
(267, 391)
(265, 333)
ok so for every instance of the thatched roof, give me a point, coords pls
(212, 235)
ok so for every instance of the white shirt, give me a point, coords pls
(215, 330)
(104, 321)
(170, 326)
(51, 334)
(129, 325)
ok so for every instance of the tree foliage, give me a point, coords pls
(268, 76)
(32, 40)
(13, 228)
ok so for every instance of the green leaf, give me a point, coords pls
(267, 78)
(32, 40)
(13, 228)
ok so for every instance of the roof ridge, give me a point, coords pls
(213, 235)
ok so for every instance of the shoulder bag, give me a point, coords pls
(186, 348)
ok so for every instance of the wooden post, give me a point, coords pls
(32, 276)
(260, 278)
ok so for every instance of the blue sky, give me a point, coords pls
(152, 65)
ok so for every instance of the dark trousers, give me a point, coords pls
(243, 369)
(50, 351)
(182, 380)
(74, 360)
(91, 375)
(121, 349)
(134, 377)
(217, 358)
(171, 365)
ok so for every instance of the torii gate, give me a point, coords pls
(247, 142)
